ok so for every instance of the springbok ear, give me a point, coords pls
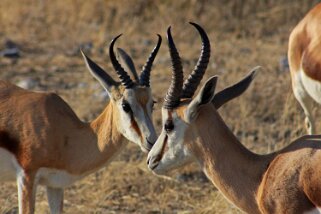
(204, 96)
(105, 80)
(235, 90)
(128, 62)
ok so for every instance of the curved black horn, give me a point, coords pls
(145, 74)
(123, 76)
(194, 79)
(172, 97)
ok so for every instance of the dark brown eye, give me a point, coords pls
(169, 126)
(126, 107)
(153, 104)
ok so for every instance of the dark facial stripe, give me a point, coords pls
(134, 125)
(160, 156)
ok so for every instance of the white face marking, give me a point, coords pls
(142, 119)
(169, 151)
(313, 87)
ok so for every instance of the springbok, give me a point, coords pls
(305, 63)
(287, 181)
(42, 141)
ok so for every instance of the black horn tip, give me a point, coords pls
(159, 40)
(169, 34)
(115, 39)
(201, 31)
(192, 23)
(170, 40)
(196, 26)
(145, 74)
(111, 46)
(122, 74)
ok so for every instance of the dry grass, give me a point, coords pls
(243, 34)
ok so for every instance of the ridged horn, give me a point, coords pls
(172, 98)
(122, 74)
(145, 74)
(194, 79)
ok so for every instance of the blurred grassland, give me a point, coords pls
(243, 34)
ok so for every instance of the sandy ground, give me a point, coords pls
(265, 118)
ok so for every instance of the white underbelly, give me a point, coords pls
(56, 178)
(8, 166)
(312, 86)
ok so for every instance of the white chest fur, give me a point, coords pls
(313, 87)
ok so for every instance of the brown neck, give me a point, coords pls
(96, 143)
(234, 170)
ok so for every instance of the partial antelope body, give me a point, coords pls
(305, 63)
(42, 141)
(287, 181)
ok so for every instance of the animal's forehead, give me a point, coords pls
(170, 114)
(143, 95)
(140, 95)
(166, 114)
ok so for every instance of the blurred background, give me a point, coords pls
(39, 50)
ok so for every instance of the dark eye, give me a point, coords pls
(153, 104)
(169, 126)
(126, 107)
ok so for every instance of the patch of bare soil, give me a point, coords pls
(265, 118)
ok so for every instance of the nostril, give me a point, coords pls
(158, 158)
(152, 162)
(148, 160)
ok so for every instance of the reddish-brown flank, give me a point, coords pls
(311, 63)
(134, 125)
(305, 45)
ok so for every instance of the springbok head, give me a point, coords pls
(132, 102)
(173, 147)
